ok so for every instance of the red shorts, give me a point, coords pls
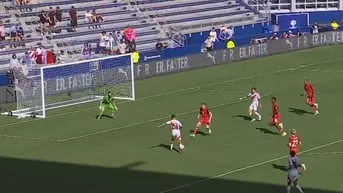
(276, 119)
(204, 122)
(310, 98)
(294, 149)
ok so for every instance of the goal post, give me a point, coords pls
(39, 89)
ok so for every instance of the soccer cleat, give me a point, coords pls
(303, 166)
(192, 135)
(284, 134)
(209, 131)
(253, 120)
(316, 113)
(113, 117)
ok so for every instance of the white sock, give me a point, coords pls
(171, 146)
(281, 125)
(259, 116)
(250, 114)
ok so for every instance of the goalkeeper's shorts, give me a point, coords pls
(106, 106)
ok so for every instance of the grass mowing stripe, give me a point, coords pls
(248, 167)
(148, 121)
(180, 90)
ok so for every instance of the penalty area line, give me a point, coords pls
(300, 66)
(29, 138)
(150, 121)
(248, 167)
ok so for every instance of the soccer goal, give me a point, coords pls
(56, 86)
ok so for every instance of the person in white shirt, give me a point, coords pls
(102, 42)
(209, 43)
(122, 47)
(110, 42)
(230, 32)
(14, 62)
(175, 126)
(213, 35)
(255, 104)
(88, 17)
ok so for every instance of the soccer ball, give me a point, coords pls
(182, 147)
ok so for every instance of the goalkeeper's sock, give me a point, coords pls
(100, 115)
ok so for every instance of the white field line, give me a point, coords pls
(148, 121)
(320, 71)
(247, 167)
(180, 90)
(29, 138)
(325, 153)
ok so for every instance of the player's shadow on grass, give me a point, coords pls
(165, 146)
(104, 116)
(267, 131)
(298, 111)
(244, 117)
(199, 133)
(281, 168)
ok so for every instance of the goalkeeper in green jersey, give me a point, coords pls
(107, 103)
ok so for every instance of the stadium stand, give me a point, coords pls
(151, 20)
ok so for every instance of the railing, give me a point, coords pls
(263, 7)
(173, 33)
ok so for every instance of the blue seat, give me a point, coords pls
(97, 31)
(205, 17)
(30, 14)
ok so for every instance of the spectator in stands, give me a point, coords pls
(56, 29)
(39, 54)
(96, 19)
(52, 17)
(300, 33)
(73, 17)
(26, 59)
(213, 34)
(33, 55)
(88, 17)
(62, 57)
(209, 43)
(20, 35)
(230, 44)
(159, 45)
(274, 37)
(13, 33)
(110, 43)
(122, 47)
(130, 37)
(51, 57)
(118, 38)
(284, 35)
(58, 14)
(14, 62)
(230, 32)
(103, 41)
(2, 32)
(315, 28)
(85, 51)
(290, 34)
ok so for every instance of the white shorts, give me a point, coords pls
(253, 107)
(176, 134)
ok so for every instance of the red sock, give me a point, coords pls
(313, 107)
(195, 131)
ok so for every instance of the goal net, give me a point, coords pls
(57, 86)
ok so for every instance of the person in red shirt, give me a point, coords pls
(309, 90)
(276, 118)
(204, 118)
(294, 142)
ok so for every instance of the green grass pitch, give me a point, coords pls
(72, 152)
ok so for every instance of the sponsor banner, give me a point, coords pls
(179, 64)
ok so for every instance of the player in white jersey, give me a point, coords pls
(175, 126)
(255, 104)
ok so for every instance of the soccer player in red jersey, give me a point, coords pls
(276, 118)
(294, 142)
(204, 118)
(309, 90)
